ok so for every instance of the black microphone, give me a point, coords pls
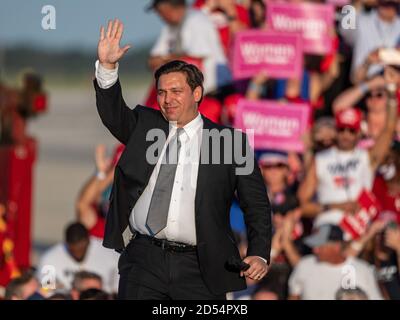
(237, 264)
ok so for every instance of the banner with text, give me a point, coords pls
(313, 21)
(339, 3)
(276, 125)
(280, 55)
(356, 225)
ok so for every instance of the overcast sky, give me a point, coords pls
(77, 22)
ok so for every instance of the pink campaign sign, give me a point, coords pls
(313, 21)
(279, 55)
(278, 126)
(339, 3)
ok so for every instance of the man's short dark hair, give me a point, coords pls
(94, 294)
(194, 77)
(60, 296)
(15, 286)
(76, 232)
(175, 3)
(83, 275)
(357, 291)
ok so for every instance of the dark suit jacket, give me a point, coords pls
(216, 188)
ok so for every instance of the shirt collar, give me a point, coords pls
(191, 128)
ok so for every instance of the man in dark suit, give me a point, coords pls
(172, 193)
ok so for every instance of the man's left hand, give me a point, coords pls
(258, 268)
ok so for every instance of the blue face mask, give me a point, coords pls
(388, 171)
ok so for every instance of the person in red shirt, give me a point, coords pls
(387, 185)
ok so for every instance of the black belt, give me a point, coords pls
(166, 244)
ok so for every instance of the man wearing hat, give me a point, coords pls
(320, 275)
(339, 174)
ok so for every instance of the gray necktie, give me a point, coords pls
(161, 198)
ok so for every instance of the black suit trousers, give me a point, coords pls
(148, 272)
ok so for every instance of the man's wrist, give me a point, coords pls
(263, 259)
(100, 175)
(106, 78)
(108, 66)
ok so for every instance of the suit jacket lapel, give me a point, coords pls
(203, 167)
(164, 126)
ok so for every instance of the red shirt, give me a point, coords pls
(388, 202)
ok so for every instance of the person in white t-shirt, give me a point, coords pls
(189, 33)
(321, 275)
(374, 30)
(79, 252)
(338, 175)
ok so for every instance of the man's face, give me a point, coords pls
(376, 100)
(177, 101)
(347, 138)
(275, 173)
(171, 15)
(328, 252)
(30, 288)
(324, 138)
(78, 249)
(387, 9)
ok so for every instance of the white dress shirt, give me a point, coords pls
(106, 78)
(181, 217)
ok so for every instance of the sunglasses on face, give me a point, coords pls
(275, 165)
(379, 94)
(351, 130)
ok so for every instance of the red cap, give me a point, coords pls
(349, 118)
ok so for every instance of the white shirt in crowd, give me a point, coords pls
(199, 39)
(314, 280)
(342, 175)
(98, 260)
(370, 34)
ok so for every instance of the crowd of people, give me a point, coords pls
(352, 152)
